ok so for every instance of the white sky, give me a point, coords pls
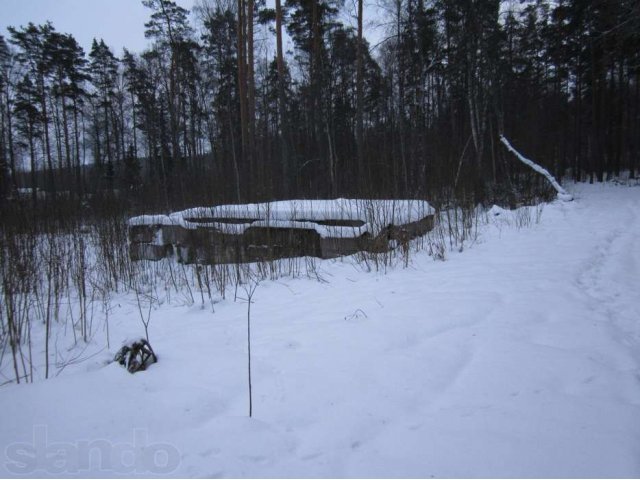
(121, 22)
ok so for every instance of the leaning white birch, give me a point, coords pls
(562, 193)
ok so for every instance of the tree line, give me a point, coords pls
(209, 112)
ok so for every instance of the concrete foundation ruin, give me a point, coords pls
(266, 231)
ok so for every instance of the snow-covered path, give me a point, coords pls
(517, 357)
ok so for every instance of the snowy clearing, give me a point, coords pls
(519, 356)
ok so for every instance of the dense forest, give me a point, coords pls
(215, 111)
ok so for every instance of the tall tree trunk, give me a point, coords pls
(242, 80)
(134, 127)
(67, 140)
(315, 70)
(57, 132)
(401, 103)
(123, 146)
(3, 152)
(12, 157)
(359, 97)
(78, 168)
(47, 145)
(597, 150)
(33, 172)
(251, 90)
(284, 120)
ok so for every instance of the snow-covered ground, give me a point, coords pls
(519, 356)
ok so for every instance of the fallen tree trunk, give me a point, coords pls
(562, 193)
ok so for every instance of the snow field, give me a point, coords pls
(518, 357)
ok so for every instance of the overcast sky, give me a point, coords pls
(120, 22)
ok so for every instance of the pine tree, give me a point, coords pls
(103, 69)
(34, 55)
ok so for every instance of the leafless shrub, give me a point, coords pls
(59, 274)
